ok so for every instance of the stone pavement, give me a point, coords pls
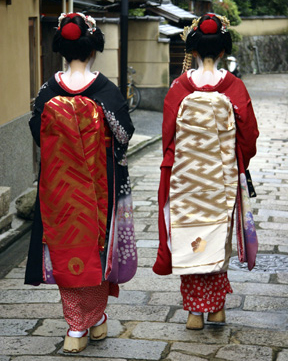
(147, 321)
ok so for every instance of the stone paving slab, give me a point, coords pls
(260, 289)
(282, 356)
(271, 320)
(244, 353)
(59, 328)
(27, 296)
(154, 284)
(18, 284)
(5, 358)
(262, 304)
(178, 332)
(33, 310)
(196, 349)
(125, 348)
(140, 313)
(60, 358)
(130, 297)
(282, 277)
(29, 345)
(179, 356)
(240, 276)
(260, 337)
(166, 298)
(16, 327)
(245, 318)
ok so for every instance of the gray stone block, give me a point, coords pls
(179, 356)
(5, 222)
(153, 284)
(25, 204)
(28, 296)
(18, 284)
(196, 349)
(262, 303)
(282, 356)
(166, 299)
(17, 272)
(270, 320)
(61, 358)
(125, 348)
(142, 243)
(260, 289)
(16, 149)
(233, 301)
(137, 313)
(247, 276)
(260, 337)
(5, 358)
(244, 353)
(130, 297)
(31, 310)
(16, 327)
(5, 198)
(282, 277)
(52, 327)
(176, 332)
(28, 345)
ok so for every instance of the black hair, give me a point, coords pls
(79, 49)
(209, 45)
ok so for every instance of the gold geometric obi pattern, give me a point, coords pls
(203, 184)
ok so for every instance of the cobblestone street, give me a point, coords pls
(147, 321)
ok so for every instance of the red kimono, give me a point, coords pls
(246, 135)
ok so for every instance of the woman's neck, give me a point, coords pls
(78, 74)
(207, 72)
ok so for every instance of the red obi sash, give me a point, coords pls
(73, 189)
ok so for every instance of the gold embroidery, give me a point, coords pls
(76, 266)
(198, 245)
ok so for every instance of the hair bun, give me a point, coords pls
(71, 31)
(209, 26)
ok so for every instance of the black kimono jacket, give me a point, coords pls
(107, 95)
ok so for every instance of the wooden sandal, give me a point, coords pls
(75, 344)
(98, 333)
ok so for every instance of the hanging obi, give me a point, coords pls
(203, 184)
(73, 189)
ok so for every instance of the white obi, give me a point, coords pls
(203, 184)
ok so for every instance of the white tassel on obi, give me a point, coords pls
(203, 184)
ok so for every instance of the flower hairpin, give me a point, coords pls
(89, 21)
(195, 23)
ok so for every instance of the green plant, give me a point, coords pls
(262, 7)
(229, 9)
(136, 12)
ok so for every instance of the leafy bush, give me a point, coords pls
(227, 8)
(262, 7)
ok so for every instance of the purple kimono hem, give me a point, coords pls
(124, 255)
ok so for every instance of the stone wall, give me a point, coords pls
(16, 155)
(272, 54)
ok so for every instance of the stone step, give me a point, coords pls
(5, 195)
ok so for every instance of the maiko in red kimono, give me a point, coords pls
(246, 135)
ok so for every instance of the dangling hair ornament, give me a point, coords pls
(188, 29)
(71, 31)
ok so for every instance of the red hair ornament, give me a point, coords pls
(209, 26)
(71, 31)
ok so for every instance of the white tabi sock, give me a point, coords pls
(196, 313)
(77, 334)
(102, 320)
